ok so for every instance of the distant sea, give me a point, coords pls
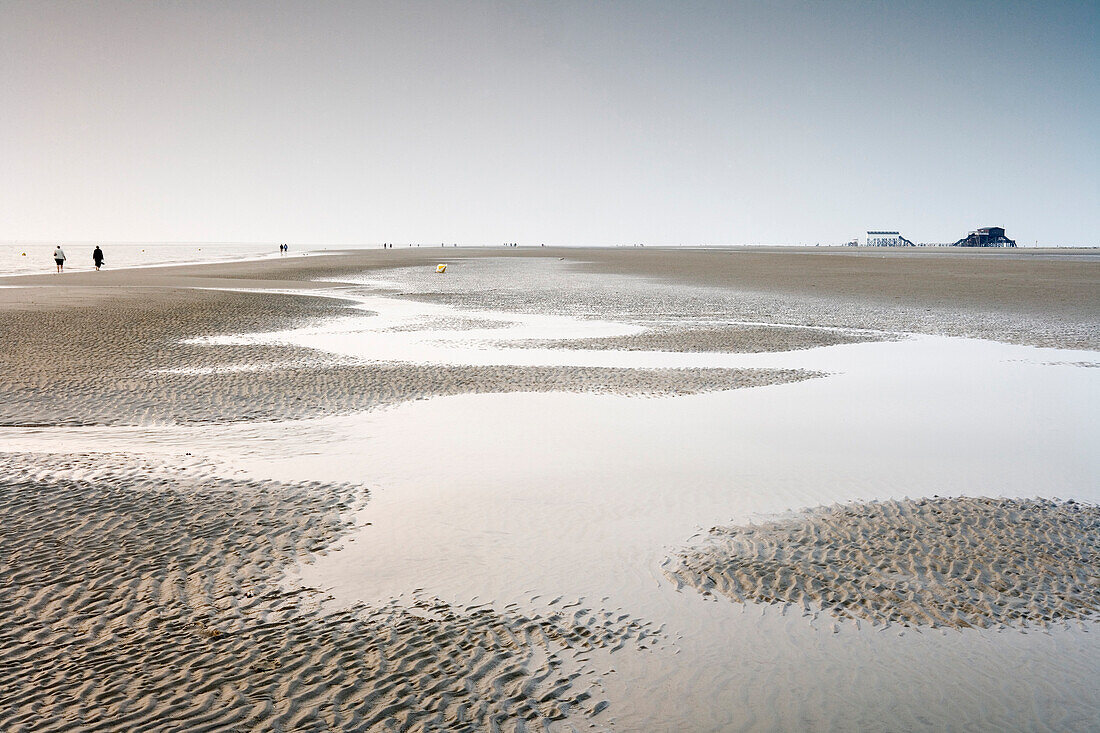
(33, 258)
(29, 258)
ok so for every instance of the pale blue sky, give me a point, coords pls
(557, 122)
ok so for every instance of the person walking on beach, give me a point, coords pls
(97, 257)
(59, 258)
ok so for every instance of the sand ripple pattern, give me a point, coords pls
(125, 360)
(731, 338)
(956, 562)
(936, 301)
(294, 391)
(139, 597)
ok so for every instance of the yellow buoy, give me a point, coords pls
(440, 268)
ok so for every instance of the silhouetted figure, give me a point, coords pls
(97, 257)
(59, 258)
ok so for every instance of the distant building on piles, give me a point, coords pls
(987, 237)
(887, 239)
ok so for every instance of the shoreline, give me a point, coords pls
(83, 270)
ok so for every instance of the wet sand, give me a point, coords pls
(739, 339)
(125, 357)
(161, 594)
(1034, 296)
(959, 563)
(141, 597)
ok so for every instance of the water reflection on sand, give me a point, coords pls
(521, 498)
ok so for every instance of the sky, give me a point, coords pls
(549, 122)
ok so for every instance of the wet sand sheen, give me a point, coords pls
(133, 358)
(152, 598)
(959, 563)
(160, 592)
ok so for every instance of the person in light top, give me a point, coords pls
(59, 258)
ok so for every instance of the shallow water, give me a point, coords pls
(36, 258)
(522, 498)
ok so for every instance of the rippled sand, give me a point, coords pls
(146, 594)
(736, 338)
(142, 597)
(958, 562)
(127, 360)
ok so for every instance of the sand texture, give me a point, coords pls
(241, 391)
(1035, 297)
(141, 597)
(160, 592)
(1029, 298)
(961, 562)
(450, 324)
(126, 358)
(1045, 295)
(735, 338)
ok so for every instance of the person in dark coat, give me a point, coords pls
(97, 257)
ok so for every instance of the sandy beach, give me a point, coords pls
(553, 489)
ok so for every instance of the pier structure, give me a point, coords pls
(986, 237)
(887, 239)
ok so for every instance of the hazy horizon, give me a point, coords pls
(564, 123)
(578, 245)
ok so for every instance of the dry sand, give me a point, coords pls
(960, 562)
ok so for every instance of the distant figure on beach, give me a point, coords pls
(59, 258)
(97, 257)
